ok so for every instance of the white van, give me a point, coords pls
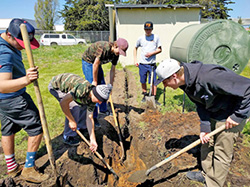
(60, 39)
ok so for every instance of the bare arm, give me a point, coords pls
(157, 51)
(135, 57)
(95, 70)
(64, 103)
(7, 84)
(112, 74)
(91, 130)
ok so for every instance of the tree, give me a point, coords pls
(86, 15)
(46, 13)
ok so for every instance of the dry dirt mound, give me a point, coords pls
(148, 137)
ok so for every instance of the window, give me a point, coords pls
(70, 37)
(63, 36)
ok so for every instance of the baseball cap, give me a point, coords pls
(122, 45)
(166, 68)
(148, 25)
(14, 29)
(102, 91)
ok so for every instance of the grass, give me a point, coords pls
(61, 59)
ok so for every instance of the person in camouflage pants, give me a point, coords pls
(77, 99)
(97, 54)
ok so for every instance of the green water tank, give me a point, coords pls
(221, 42)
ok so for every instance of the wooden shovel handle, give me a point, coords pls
(117, 126)
(39, 97)
(97, 154)
(192, 145)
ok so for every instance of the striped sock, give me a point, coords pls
(30, 159)
(11, 162)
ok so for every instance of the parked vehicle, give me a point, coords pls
(60, 39)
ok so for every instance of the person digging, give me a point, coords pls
(77, 99)
(222, 98)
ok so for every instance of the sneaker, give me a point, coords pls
(196, 176)
(97, 124)
(157, 103)
(107, 113)
(31, 174)
(72, 141)
(16, 171)
(144, 97)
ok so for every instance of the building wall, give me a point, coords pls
(167, 23)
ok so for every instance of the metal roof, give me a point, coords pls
(157, 6)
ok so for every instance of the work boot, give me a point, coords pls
(144, 97)
(196, 176)
(32, 175)
(16, 171)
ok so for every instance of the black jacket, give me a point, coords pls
(217, 92)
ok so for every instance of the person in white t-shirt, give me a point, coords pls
(150, 46)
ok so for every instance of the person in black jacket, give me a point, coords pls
(222, 98)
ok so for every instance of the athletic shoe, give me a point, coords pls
(16, 171)
(144, 97)
(107, 113)
(31, 174)
(72, 141)
(157, 103)
(196, 176)
(97, 124)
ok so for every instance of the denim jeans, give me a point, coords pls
(87, 69)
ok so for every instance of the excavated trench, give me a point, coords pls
(148, 138)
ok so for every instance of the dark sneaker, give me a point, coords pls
(144, 97)
(196, 176)
(33, 175)
(107, 113)
(157, 103)
(97, 124)
(72, 141)
(16, 171)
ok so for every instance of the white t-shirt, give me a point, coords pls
(148, 44)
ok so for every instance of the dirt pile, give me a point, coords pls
(148, 137)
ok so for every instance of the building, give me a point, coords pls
(128, 22)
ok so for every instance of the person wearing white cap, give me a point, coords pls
(222, 98)
(77, 99)
(17, 109)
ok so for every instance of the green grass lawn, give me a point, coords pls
(61, 59)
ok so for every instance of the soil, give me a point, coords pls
(148, 138)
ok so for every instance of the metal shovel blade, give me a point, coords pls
(138, 176)
(150, 100)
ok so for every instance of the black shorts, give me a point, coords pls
(19, 113)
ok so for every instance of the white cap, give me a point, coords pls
(166, 68)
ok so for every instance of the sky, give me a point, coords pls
(25, 9)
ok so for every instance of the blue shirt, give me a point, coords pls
(11, 62)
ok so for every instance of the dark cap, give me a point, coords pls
(122, 45)
(14, 29)
(148, 25)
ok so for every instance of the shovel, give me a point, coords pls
(98, 155)
(39, 100)
(141, 175)
(151, 99)
(118, 128)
